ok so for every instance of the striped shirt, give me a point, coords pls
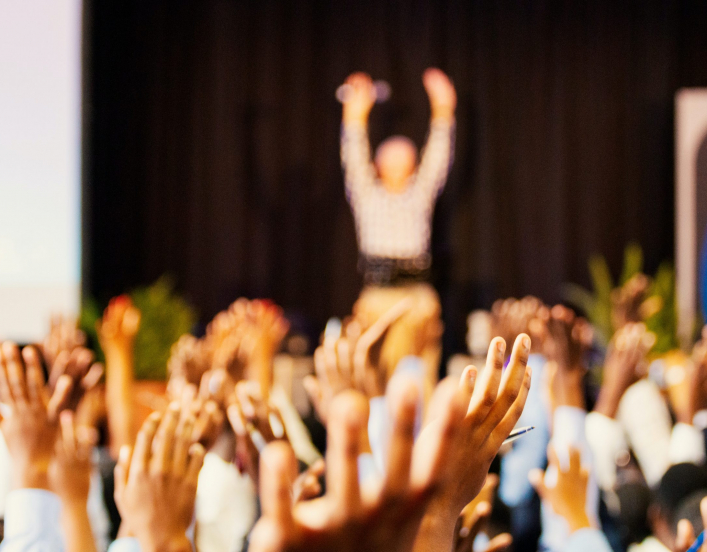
(390, 225)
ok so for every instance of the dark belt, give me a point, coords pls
(385, 271)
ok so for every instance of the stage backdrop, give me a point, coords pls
(214, 141)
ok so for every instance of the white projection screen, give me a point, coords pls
(40, 164)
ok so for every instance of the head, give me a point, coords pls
(396, 159)
(678, 483)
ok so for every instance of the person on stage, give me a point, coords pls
(392, 198)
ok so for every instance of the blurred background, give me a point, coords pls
(211, 143)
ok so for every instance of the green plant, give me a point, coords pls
(166, 316)
(597, 303)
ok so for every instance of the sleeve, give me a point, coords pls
(687, 444)
(436, 158)
(32, 522)
(587, 540)
(126, 544)
(294, 427)
(607, 442)
(568, 431)
(359, 173)
(647, 424)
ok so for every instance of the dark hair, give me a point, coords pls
(678, 483)
(689, 509)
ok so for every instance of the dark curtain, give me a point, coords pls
(213, 142)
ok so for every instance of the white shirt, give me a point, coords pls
(225, 506)
(32, 522)
(643, 423)
(395, 226)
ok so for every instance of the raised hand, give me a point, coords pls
(564, 340)
(118, 327)
(359, 99)
(512, 317)
(64, 335)
(78, 365)
(256, 422)
(352, 361)
(630, 303)
(623, 365)
(443, 96)
(190, 358)
(689, 395)
(568, 497)
(474, 519)
(155, 484)
(30, 414)
(493, 406)
(307, 486)
(70, 477)
(117, 331)
(208, 414)
(70, 470)
(265, 331)
(345, 518)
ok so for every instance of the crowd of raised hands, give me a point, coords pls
(225, 462)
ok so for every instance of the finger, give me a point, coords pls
(15, 373)
(5, 393)
(122, 469)
(703, 511)
(348, 417)
(403, 404)
(277, 474)
(486, 390)
(500, 543)
(61, 363)
(207, 422)
(68, 436)
(196, 461)
(320, 363)
(472, 527)
(685, 536)
(164, 441)
(143, 444)
(317, 468)
(60, 398)
(314, 392)
(343, 354)
(537, 480)
(506, 425)
(236, 419)
(183, 440)
(80, 362)
(467, 383)
(93, 376)
(512, 381)
(377, 331)
(86, 439)
(35, 376)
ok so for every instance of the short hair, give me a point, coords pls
(397, 139)
(689, 509)
(678, 483)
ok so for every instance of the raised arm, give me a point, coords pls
(438, 153)
(359, 172)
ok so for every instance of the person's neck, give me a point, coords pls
(397, 186)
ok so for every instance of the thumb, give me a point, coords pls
(537, 480)
(685, 536)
